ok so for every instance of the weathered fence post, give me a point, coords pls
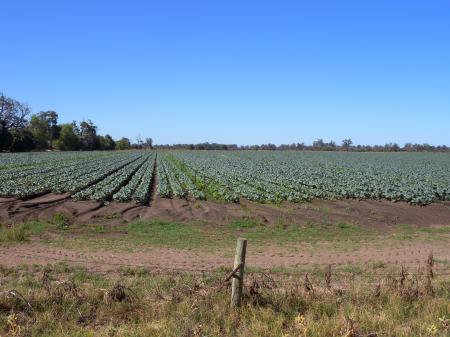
(238, 276)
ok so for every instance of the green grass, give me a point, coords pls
(164, 233)
(142, 234)
(245, 223)
(20, 232)
(14, 233)
(311, 233)
(202, 236)
(60, 220)
(404, 232)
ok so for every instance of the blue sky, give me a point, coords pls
(235, 71)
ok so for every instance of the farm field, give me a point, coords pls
(137, 243)
(266, 177)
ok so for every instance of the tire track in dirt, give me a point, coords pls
(154, 181)
(161, 258)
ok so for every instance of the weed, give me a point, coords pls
(13, 233)
(245, 223)
(60, 221)
(75, 302)
(111, 216)
(378, 265)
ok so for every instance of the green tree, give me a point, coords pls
(123, 144)
(69, 139)
(44, 127)
(13, 123)
(318, 144)
(5, 137)
(39, 130)
(107, 143)
(22, 140)
(88, 136)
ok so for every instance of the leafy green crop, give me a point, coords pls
(262, 176)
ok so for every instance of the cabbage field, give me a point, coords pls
(261, 176)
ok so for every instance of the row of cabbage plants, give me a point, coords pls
(419, 178)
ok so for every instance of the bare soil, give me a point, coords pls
(273, 257)
(364, 213)
(377, 214)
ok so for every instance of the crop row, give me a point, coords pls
(107, 187)
(419, 178)
(138, 188)
(71, 177)
(277, 176)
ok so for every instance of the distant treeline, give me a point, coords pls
(22, 131)
(318, 145)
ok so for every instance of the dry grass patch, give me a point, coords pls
(58, 300)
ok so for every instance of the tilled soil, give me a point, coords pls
(364, 213)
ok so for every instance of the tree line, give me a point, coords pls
(318, 145)
(22, 131)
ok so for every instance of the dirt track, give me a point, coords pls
(165, 259)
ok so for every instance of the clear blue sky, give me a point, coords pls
(235, 71)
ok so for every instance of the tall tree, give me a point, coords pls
(346, 143)
(69, 139)
(44, 127)
(22, 140)
(148, 143)
(51, 117)
(318, 144)
(88, 135)
(5, 137)
(39, 130)
(107, 143)
(139, 142)
(13, 114)
(123, 144)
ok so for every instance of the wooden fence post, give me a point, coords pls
(238, 277)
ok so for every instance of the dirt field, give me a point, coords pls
(365, 213)
(290, 236)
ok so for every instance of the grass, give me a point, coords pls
(202, 236)
(164, 233)
(14, 233)
(63, 301)
(310, 233)
(68, 301)
(141, 234)
(404, 232)
(21, 232)
(245, 223)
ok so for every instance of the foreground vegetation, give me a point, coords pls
(373, 299)
(62, 301)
